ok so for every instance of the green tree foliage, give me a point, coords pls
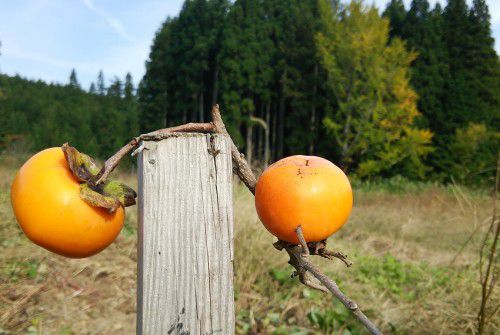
(475, 147)
(245, 64)
(3, 119)
(456, 75)
(296, 77)
(181, 77)
(101, 85)
(376, 107)
(154, 87)
(422, 32)
(396, 12)
(262, 66)
(73, 81)
(92, 89)
(37, 115)
(259, 59)
(485, 67)
(301, 78)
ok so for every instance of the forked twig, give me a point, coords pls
(299, 259)
(113, 161)
(241, 167)
(299, 254)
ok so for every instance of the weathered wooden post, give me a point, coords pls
(185, 249)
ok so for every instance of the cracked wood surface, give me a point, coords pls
(185, 265)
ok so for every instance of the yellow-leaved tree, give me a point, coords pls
(374, 108)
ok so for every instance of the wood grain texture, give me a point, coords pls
(185, 247)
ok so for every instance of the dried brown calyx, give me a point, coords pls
(109, 194)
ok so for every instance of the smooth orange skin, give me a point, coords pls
(47, 205)
(308, 191)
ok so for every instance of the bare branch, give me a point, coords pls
(303, 267)
(488, 278)
(336, 254)
(306, 280)
(241, 167)
(112, 162)
(298, 254)
(260, 122)
(185, 128)
(319, 249)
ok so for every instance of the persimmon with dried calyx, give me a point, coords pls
(59, 208)
(306, 191)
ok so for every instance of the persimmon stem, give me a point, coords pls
(302, 240)
(298, 253)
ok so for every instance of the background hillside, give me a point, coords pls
(408, 91)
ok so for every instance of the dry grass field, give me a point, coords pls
(411, 273)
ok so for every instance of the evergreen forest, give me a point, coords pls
(399, 91)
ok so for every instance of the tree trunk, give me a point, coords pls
(165, 114)
(274, 133)
(281, 125)
(184, 116)
(267, 149)
(312, 125)
(194, 108)
(248, 144)
(265, 126)
(345, 152)
(201, 108)
(259, 137)
(215, 85)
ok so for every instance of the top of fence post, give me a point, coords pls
(185, 249)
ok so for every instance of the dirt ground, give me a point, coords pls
(413, 271)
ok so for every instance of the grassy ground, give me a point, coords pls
(410, 273)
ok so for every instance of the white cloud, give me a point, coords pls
(113, 22)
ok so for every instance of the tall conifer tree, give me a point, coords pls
(73, 81)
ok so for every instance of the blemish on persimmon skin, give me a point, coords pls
(307, 162)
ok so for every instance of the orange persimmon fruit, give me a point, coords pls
(46, 201)
(308, 191)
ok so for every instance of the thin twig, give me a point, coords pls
(336, 254)
(185, 128)
(462, 248)
(319, 249)
(348, 303)
(298, 253)
(303, 266)
(487, 284)
(16, 307)
(302, 240)
(113, 161)
(241, 167)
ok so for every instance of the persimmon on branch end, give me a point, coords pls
(307, 272)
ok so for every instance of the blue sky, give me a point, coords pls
(45, 39)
